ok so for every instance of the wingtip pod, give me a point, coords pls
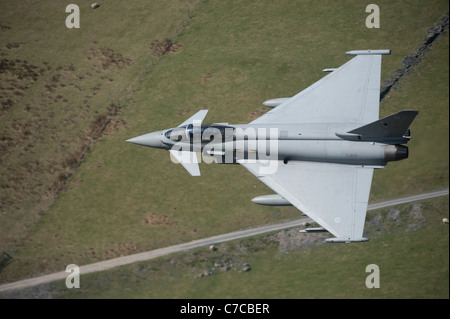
(368, 52)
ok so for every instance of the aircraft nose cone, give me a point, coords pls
(150, 139)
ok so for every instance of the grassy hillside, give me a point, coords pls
(234, 55)
(59, 87)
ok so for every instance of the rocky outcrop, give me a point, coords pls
(414, 58)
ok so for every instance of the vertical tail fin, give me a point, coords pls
(390, 129)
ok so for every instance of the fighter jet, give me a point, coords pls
(317, 150)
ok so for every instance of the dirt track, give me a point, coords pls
(116, 262)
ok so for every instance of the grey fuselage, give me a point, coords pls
(316, 142)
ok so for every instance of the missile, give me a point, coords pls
(313, 230)
(346, 240)
(275, 102)
(271, 200)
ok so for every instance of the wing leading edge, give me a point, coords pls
(333, 195)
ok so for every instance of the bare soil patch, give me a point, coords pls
(162, 48)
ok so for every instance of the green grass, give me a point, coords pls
(252, 51)
(53, 111)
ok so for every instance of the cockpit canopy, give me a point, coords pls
(205, 133)
(176, 134)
